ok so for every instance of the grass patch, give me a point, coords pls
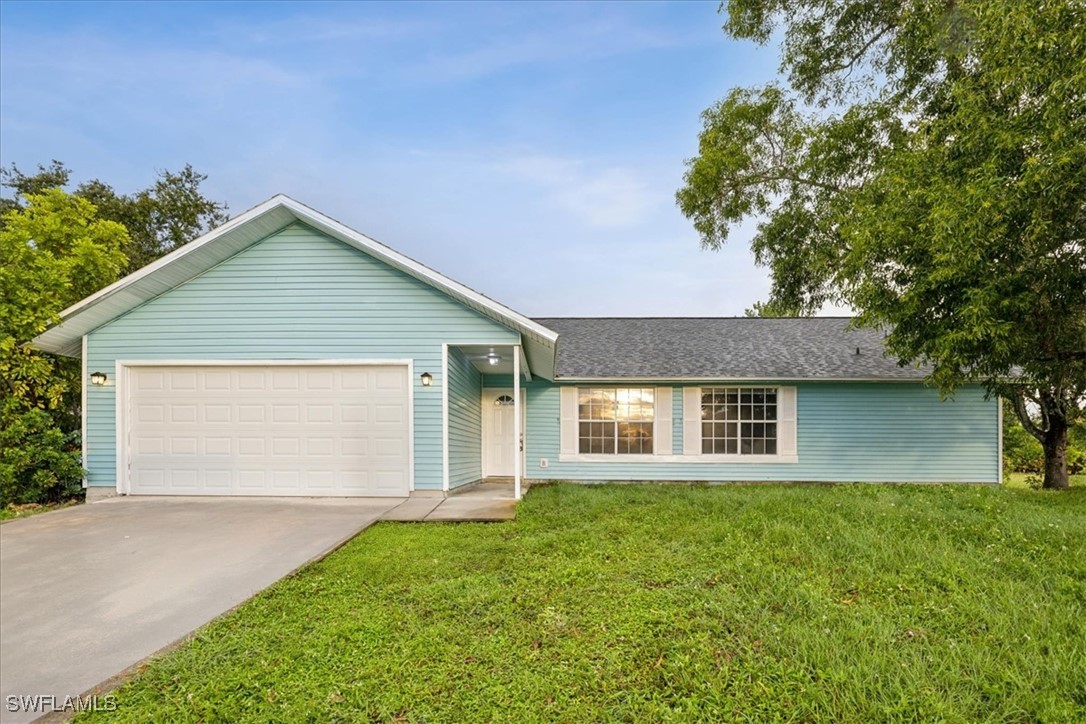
(768, 602)
(13, 511)
(1019, 480)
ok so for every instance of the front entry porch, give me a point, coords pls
(483, 411)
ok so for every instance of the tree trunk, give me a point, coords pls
(1051, 430)
(1055, 447)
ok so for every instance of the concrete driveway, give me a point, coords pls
(88, 591)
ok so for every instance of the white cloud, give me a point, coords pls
(600, 196)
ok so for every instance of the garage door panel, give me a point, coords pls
(183, 446)
(284, 380)
(252, 479)
(218, 446)
(319, 381)
(285, 414)
(388, 415)
(217, 381)
(184, 478)
(182, 381)
(250, 380)
(150, 412)
(320, 446)
(217, 414)
(356, 380)
(181, 413)
(219, 479)
(252, 431)
(319, 413)
(149, 380)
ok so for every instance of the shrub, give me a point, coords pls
(39, 463)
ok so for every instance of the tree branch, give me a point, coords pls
(855, 57)
(802, 180)
(1024, 418)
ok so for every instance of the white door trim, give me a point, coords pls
(123, 397)
(483, 452)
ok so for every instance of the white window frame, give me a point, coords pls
(614, 423)
(689, 441)
(569, 424)
(787, 450)
(738, 422)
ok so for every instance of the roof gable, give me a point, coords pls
(241, 232)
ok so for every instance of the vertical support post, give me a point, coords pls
(999, 440)
(444, 418)
(84, 379)
(517, 454)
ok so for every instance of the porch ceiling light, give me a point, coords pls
(427, 379)
(493, 359)
(98, 378)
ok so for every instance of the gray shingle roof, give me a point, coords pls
(728, 347)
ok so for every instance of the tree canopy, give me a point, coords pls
(925, 164)
(171, 212)
(53, 252)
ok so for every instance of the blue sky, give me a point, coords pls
(531, 151)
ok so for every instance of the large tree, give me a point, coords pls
(925, 163)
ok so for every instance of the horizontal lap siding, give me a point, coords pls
(465, 420)
(875, 432)
(295, 295)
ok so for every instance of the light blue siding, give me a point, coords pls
(465, 420)
(875, 432)
(295, 295)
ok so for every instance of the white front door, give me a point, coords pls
(499, 447)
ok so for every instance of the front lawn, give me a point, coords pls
(761, 602)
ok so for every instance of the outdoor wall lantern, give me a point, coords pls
(427, 379)
(98, 378)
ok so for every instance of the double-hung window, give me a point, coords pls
(739, 420)
(615, 420)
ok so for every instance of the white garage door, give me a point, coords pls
(273, 430)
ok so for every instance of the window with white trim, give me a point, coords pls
(615, 420)
(739, 420)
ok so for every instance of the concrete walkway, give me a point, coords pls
(484, 502)
(89, 591)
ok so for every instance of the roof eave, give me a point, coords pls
(615, 379)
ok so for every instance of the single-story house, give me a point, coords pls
(284, 353)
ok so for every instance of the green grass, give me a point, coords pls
(1019, 480)
(767, 602)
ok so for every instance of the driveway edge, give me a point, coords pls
(117, 680)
